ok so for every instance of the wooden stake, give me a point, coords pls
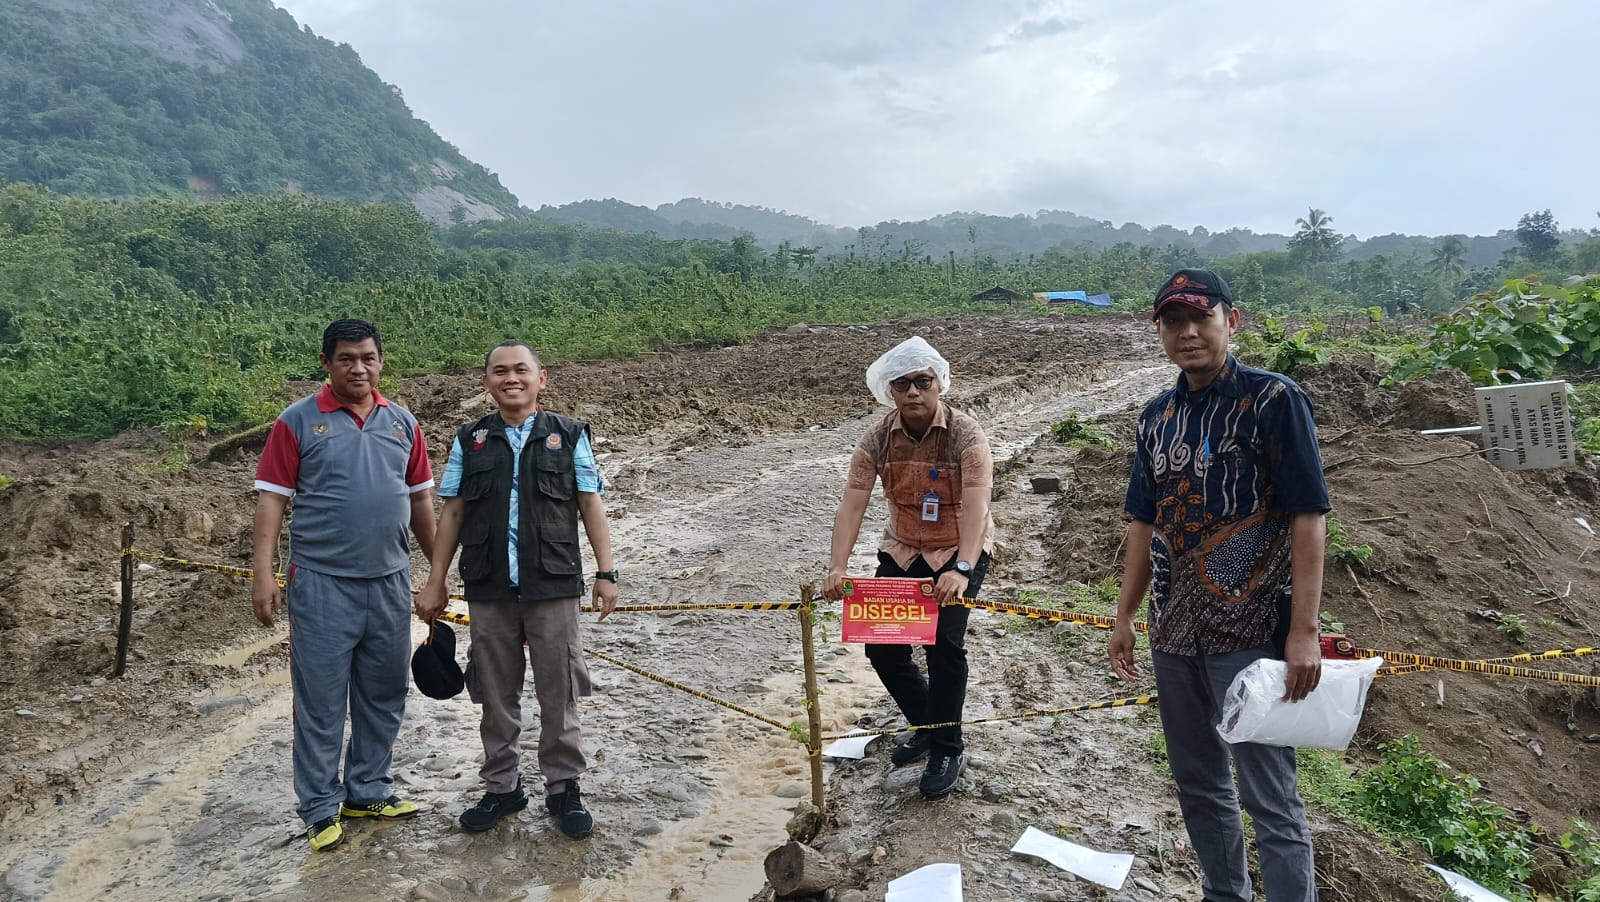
(125, 615)
(813, 701)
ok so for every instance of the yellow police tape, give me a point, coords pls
(730, 606)
(1095, 706)
(1048, 614)
(1548, 655)
(1488, 666)
(1399, 662)
(465, 620)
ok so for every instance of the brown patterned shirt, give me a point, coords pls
(952, 456)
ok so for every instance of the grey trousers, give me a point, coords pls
(496, 669)
(1191, 690)
(349, 649)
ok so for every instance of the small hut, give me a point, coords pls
(998, 295)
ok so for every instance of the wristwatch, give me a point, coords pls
(606, 574)
(964, 568)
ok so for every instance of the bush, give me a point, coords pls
(1413, 794)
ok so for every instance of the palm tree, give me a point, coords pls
(1316, 227)
(1315, 241)
(1449, 261)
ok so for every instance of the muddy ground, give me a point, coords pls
(172, 782)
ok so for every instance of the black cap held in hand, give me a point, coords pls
(1201, 289)
(434, 667)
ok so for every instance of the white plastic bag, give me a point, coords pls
(1254, 709)
(910, 356)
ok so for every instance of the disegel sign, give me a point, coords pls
(887, 610)
(1526, 426)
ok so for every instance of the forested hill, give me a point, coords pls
(968, 233)
(127, 98)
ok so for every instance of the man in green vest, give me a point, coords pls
(516, 484)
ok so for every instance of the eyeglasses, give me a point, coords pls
(904, 383)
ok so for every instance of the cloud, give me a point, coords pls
(1431, 116)
(1036, 29)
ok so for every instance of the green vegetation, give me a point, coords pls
(1079, 432)
(1326, 781)
(1528, 330)
(1515, 628)
(1340, 551)
(1271, 346)
(145, 313)
(128, 98)
(1581, 845)
(1412, 794)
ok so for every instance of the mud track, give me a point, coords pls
(173, 782)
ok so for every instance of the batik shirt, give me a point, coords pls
(1219, 473)
(950, 458)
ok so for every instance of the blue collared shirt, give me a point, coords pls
(588, 473)
(1219, 473)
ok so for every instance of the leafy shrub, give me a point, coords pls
(1583, 848)
(1079, 432)
(1271, 346)
(1414, 794)
(1340, 551)
(1514, 627)
(1525, 331)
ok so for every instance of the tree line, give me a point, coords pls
(169, 311)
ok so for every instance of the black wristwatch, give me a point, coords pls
(964, 568)
(606, 574)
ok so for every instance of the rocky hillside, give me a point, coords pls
(124, 98)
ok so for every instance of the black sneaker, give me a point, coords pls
(492, 807)
(939, 778)
(576, 821)
(913, 749)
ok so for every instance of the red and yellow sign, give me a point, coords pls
(886, 610)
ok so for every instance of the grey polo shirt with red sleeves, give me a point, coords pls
(351, 481)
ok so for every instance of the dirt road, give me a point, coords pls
(688, 796)
(173, 782)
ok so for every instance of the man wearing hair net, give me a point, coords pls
(937, 472)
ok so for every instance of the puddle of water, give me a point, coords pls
(240, 655)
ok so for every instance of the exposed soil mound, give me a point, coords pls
(1468, 561)
(1349, 392)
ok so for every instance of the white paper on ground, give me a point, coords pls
(1109, 869)
(849, 746)
(929, 883)
(1465, 887)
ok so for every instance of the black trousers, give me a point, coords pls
(940, 696)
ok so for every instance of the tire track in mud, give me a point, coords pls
(687, 798)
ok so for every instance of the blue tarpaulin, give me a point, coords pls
(1074, 297)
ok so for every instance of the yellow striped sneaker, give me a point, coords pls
(394, 808)
(325, 834)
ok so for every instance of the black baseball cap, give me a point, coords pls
(1201, 289)
(433, 665)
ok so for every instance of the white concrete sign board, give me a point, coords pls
(1527, 426)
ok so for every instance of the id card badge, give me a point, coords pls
(930, 508)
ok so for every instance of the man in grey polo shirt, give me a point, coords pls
(357, 469)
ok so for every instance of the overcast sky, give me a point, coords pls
(1420, 116)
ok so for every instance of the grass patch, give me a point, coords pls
(1079, 432)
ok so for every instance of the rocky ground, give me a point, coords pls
(172, 782)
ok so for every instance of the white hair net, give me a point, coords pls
(913, 355)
